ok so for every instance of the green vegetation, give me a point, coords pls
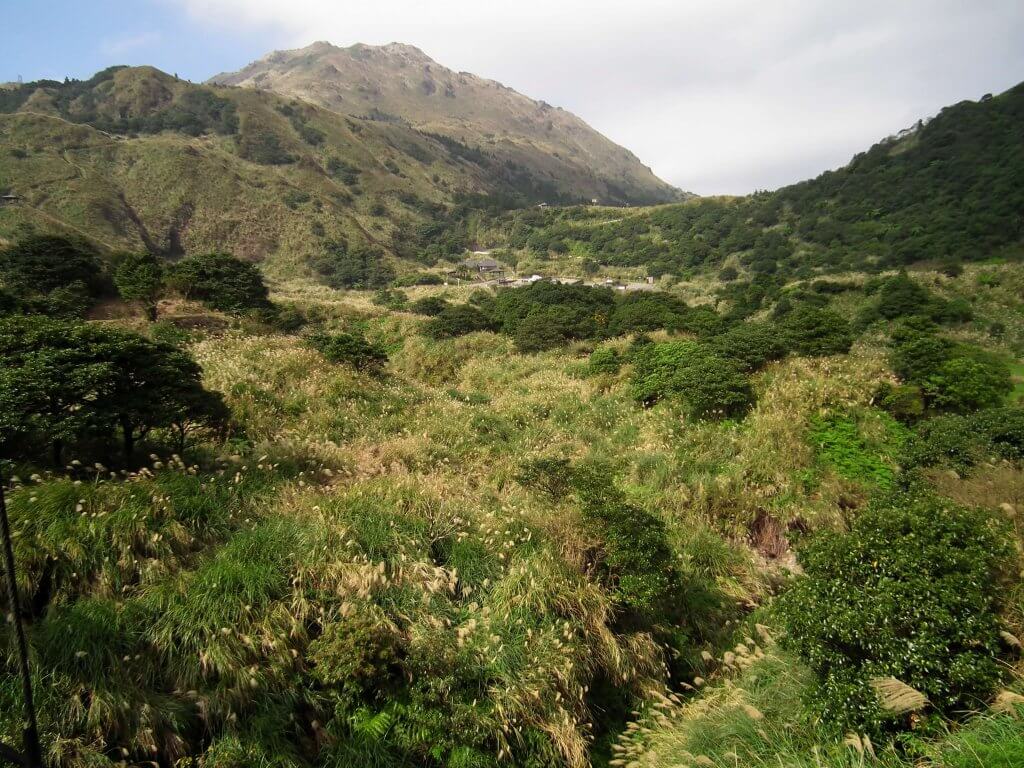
(64, 384)
(167, 105)
(221, 282)
(356, 267)
(912, 591)
(51, 275)
(749, 515)
(351, 349)
(139, 277)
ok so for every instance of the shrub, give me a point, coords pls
(390, 298)
(646, 312)
(751, 345)
(710, 385)
(655, 367)
(1004, 429)
(359, 266)
(457, 320)
(962, 441)
(899, 296)
(917, 356)
(963, 384)
(715, 388)
(814, 331)
(431, 306)
(944, 440)
(702, 321)
(547, 327)
(351, 349)
(220, 281)
(912, 591)
(604, 360)
(904, 402)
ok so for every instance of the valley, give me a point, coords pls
(295, 479)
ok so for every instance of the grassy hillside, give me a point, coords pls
(569, 161)
(134, 158)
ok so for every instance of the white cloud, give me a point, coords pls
(718, 96)
(121, 45)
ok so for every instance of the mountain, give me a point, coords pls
(564, 156)
(134, 158)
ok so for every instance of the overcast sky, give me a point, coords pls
(717, 96)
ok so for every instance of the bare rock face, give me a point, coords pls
(399, 81)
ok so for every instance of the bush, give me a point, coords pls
(1004, 429)
(716, 388)
(547, 327)
(139, 277)
(351, 349)
(710, 385)
(912, 591)
(962, 441)
(917, 356)
(655, 367)
(947, 440)
(220, 281)
(604, 360)
(751, 345)
(899, 296)
(431, 306)
(904, 402)
(814, 331)
(457, 320)
(646, 312)
(963, 384)
(390, 298)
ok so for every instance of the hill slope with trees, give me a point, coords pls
(945, 191)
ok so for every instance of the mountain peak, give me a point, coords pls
(398, 81)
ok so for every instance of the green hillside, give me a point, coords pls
(135, 158)
(946, 191)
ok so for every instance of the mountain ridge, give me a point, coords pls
(400, 81)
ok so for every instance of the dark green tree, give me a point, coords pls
(350, 349)
(139, 277)
(220, 281)
(813, 331)
(42, 263)
(62, 382)
(912, 590)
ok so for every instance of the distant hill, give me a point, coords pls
(553, 150)
(135, 158)
(946, 190)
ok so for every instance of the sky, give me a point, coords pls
(717, 96)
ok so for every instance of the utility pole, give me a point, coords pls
(32, 757)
